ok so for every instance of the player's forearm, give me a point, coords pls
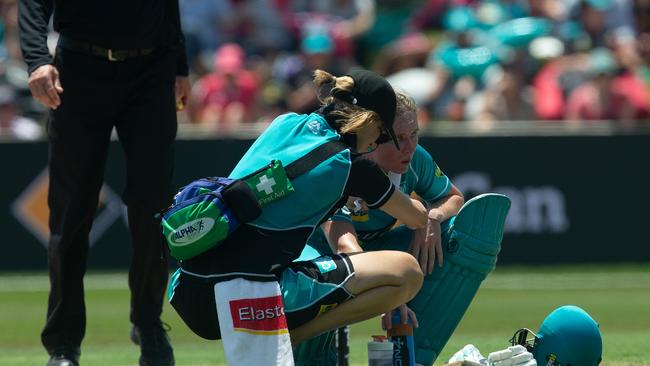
(409, 211)
(446, 207)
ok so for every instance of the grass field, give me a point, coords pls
(618, 297)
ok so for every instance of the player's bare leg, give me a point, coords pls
(383, 280)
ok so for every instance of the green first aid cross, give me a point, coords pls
(270, 184)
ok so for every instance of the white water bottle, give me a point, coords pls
(380, 351)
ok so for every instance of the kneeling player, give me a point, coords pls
(469, 241)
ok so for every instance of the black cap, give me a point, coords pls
(373, 92)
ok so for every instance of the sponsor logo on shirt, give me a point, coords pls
(358, 209)
(264, 315)
(439, 172)
(314, 127)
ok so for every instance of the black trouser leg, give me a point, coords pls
(71, 216)
(146, 129)
(148, 272)
(79, 133)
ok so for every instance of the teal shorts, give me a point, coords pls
(311, 288)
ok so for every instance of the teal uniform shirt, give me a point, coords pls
(278, 236)
(423, 177)
(288, 138)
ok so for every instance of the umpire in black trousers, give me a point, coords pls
(118, 64)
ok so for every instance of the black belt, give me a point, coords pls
(107, 53)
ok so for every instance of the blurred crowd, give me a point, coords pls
(475, 61)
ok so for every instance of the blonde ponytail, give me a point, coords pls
(352, 118)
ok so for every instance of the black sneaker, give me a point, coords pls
(64, 356)
(155, 349)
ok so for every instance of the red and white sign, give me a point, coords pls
(252, 322)
(264, 314)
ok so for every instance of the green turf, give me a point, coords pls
(617, 297)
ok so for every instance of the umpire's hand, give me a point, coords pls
(182, 91)
(45, 85)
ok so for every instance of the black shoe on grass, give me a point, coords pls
(64, 356)
(155, 349)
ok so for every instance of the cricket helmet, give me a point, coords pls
(567, 337)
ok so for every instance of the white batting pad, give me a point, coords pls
(252, 322)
